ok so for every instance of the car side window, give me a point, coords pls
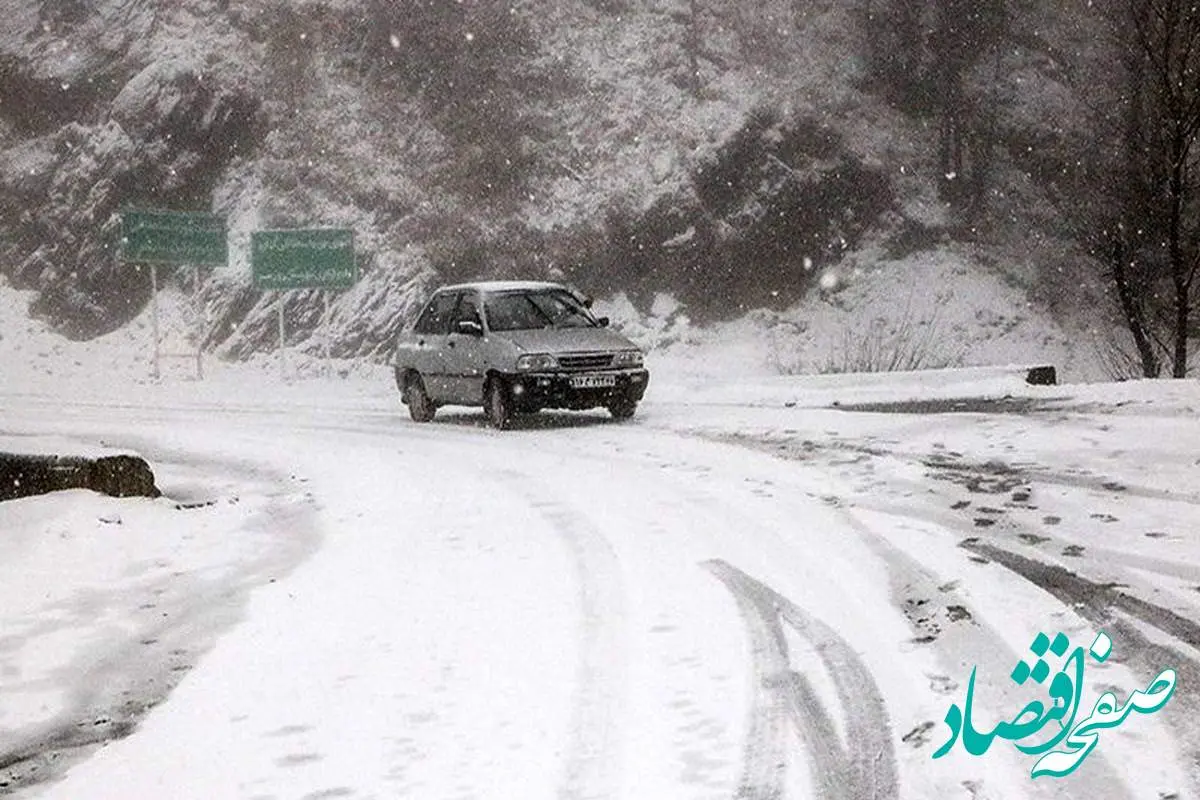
(468, 311)
(435, 319)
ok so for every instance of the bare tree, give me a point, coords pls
(965, 31)
(1155, 246)
(895, 48)
(922, 53)
(693, 44)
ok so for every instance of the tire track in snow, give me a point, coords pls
(865, 765)
(592, 760)
(1101, 604)
(926, 600)
(913, 586)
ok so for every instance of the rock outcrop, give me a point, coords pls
(116, 476)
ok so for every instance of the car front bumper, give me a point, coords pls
(533, 390)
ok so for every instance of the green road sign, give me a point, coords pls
(174, 237)
(317, 258)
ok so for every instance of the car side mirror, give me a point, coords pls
(603, 322)
(468, 327)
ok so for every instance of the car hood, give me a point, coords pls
(566, 340)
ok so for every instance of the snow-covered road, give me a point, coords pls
(739, 595)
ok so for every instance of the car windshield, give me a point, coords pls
(553, 308)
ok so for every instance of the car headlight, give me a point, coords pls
(628, 358)
(536, 362)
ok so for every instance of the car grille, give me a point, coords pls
(586, 360)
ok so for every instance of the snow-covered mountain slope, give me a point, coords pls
(701, 150)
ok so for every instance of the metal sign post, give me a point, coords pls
(174, 237)
(327, 335)
(201, 314)
(311, 258)
(156, 372)
(282, 339)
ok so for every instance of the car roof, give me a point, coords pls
(501, 286)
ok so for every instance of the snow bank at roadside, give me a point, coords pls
(935, 309)
(930, 310)
(36, 360)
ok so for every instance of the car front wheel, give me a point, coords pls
(420, 407)
(622, 408)
(497, 404)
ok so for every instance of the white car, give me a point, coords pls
(515, 347)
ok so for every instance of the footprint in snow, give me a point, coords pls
(957, 613)
(918, 735)
(942, 684)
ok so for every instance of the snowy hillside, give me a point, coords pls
(725, 156)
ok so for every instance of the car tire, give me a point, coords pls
(497, 404)
(420, 407)
(622, 408)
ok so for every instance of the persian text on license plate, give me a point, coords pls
(593, 381)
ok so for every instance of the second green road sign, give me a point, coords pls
(315, 258)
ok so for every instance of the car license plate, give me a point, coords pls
(593, 381)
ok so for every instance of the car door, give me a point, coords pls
(466, 353)
(431, 334)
